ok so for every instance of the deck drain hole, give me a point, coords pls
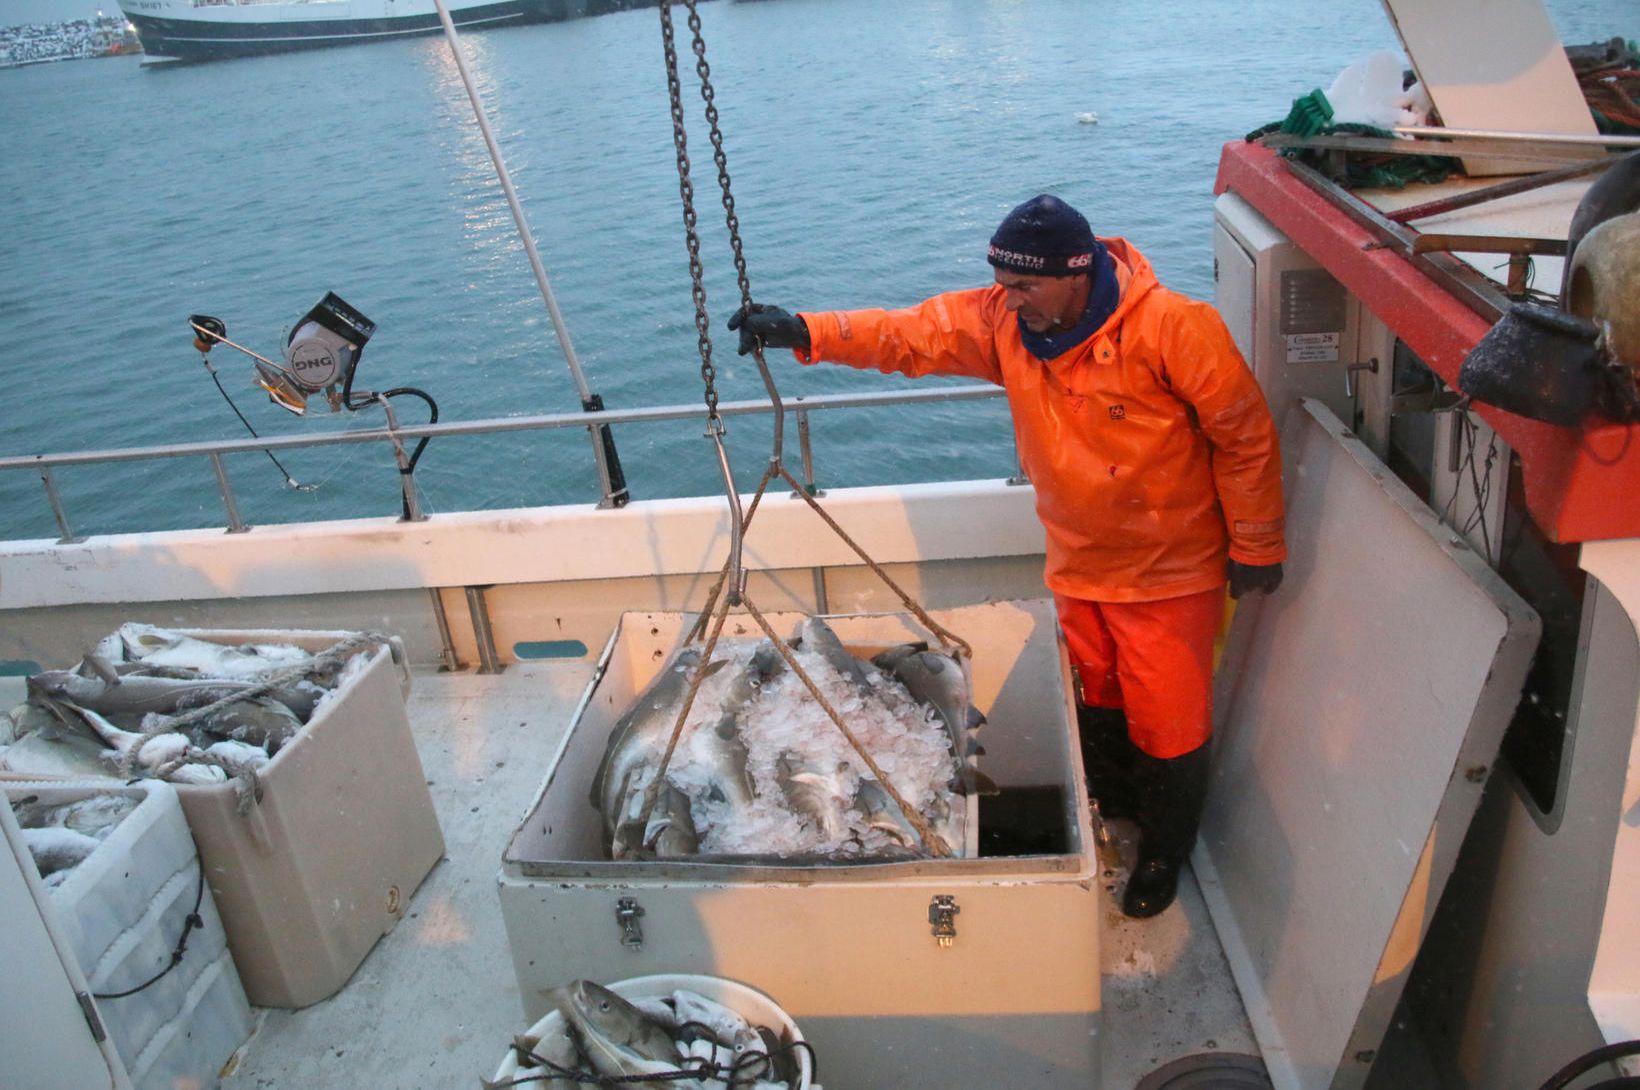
(1209, 1071)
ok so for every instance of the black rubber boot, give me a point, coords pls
(1108, 758)
(1170, 792)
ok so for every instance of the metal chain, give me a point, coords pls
(708, 95)
(686, 189)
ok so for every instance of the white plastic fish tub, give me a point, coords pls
(122, 911)
(1011, 1000)
(325, 863)
(749, 1003)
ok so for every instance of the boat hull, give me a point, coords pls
(186, 37)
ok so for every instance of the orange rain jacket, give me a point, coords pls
(1150, 445)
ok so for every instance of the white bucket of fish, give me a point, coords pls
(728, 1035)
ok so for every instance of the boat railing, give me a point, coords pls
(799, 409)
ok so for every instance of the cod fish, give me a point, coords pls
(814, 793)
(135, 642)
(259, 721)
(98, 685)
(725, 1026)
(880, 812)
(783, 1061)
(165, 755)
(671, 829)
(816, 635)
(95, 816)
(937, 681)
(723, 749)
(57, 849)
(557, 1049)
(639, 737)
(239, 757)
(687, 1013)
(616, 1037)
(56, 750)
(133, 696)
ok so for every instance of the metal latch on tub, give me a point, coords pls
(627, 913)
(942, 913)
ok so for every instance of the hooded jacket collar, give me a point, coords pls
(1123, 276)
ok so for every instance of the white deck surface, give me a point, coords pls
(435, 1003)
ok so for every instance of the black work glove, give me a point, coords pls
(771, 325)
(1247, 577)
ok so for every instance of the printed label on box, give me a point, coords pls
(1312, 347)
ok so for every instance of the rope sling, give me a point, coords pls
(730, 588)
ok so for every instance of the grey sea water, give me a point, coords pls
(873, 147)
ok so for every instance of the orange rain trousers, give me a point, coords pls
(1149, 445)
(1152, 659)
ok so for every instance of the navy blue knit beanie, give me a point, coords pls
(1044, 237)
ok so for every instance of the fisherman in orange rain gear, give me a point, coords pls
(1157, 479)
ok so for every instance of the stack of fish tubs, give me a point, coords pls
(919, 974)
(122, 911)
(320, 863)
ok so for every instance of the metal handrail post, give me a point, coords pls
(610, 478)
(56, 502)
(806, 449)
(235, 524)
(478, 612)
(407, 480)
(447, 643)
(822, 596)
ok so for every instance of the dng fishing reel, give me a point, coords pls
(321, 355)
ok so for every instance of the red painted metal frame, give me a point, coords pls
(1582, 484)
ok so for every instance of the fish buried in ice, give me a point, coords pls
(761, 771)
(680, 1040)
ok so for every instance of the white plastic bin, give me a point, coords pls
(914, 974)
(122, 911)
(325, 864)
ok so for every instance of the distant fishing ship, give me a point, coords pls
(197, 30)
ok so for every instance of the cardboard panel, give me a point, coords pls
(1493, 64)
(1372, 694)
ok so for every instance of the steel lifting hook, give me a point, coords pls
(737, 584)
